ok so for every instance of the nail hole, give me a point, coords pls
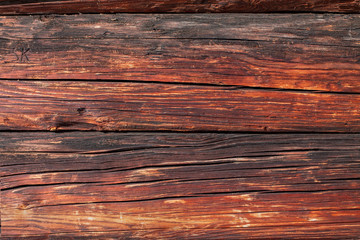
(81, 111)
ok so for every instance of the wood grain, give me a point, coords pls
(288, 51)
(122, 106)
(172, 185)
(175, 6)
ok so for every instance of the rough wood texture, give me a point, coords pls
(302, 51)
(118, 106)
(193, 186)
(176, 6)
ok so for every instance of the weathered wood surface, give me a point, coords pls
(175, 6)
(290, 51)
(172, 185)
(119, 106)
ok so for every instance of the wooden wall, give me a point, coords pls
(180, 119)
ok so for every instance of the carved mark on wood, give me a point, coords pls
(22, 56)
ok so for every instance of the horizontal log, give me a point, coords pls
(289, 51)
(121, 106)
(175, 6)
(172, 185)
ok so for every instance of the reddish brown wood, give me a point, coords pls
(116, 106)
(193, 186)
(288, 51)
(178, 6)
(232, 72)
